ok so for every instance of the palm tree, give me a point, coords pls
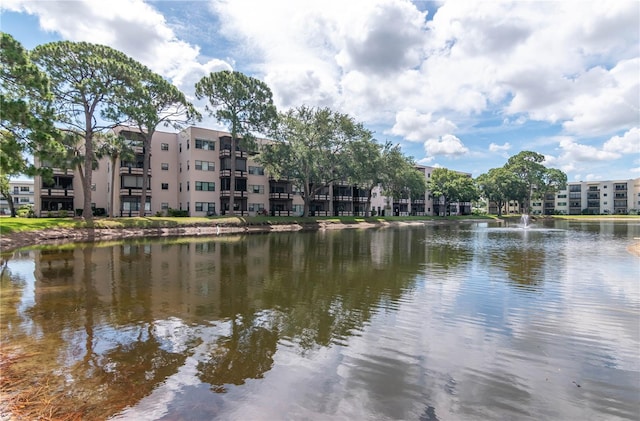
(114, 147)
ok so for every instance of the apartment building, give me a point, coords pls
(592, 197)
(22, 193)
(191, 171)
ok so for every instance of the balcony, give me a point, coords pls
(134, 191)
(227, 173)
(320, 197)
(226, 153)
(57, 191)
(236, 193)
(360, 199)
(133, 171)
(281, 196)
(401, 201)
(343, 198)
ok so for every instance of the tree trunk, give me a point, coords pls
(12, 207)
(146, 163)
(87, 212)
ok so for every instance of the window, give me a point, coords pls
(256, 170)
(205, 166)
(24, 200)
(205, 186)
(164, 205)
(562, 203)
(205, 207)
(255, 188)
(207, 145)
(165, 186)
(164, 166)
(131, 182)
(256, 207)
(164, 146)
(298, 209)
(24, 189)
(188, 186)
(562, 196)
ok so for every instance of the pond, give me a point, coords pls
(434, 322)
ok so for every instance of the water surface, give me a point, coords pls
(470, 321)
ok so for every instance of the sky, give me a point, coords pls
(458, 84)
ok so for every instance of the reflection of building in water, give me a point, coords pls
(159, 279)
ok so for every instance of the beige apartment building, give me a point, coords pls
(191, 171)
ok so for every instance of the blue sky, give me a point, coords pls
(463, 85)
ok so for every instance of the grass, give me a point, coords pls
(16, 225)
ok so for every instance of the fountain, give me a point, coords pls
(525, 221)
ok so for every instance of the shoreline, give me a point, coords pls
(58, 236)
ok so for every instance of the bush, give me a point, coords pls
(177, 213)
(99, 212)
(79, 212)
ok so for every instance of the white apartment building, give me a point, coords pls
(22, 193)
(592, 197)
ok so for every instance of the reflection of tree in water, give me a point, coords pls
(68, 313)
(125, 373)
(246, 354)
(524, 264)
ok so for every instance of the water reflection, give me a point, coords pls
(416, 323)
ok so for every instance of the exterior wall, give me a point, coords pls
(23, 193)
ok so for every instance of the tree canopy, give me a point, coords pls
(451, 186)
(245, 104)
(315, 147)
(86, 83)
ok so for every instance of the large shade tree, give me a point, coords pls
(448, 186)
(150, 102)
(26, 118)
(399, 177)
(312, 148)
(245, 104)
(86, 81)
(499, 185)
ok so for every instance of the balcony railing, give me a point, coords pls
(59, 191)
(343, 198)
(133, 170)
(360, 199)
(239, 173)
(321, 197)
(134, 191)
(283, 196)
(236, 193)
(226, 153)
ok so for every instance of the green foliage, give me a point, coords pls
(452, 186)
(314, 147)
(87, 80)
(148, 102)
(177, 213)
(245, 104)
(26, 118)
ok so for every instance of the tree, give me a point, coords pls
(311, 147)
(499, 185)
(26, 124)
(527, 166)
(399, 177)
(114, 147)
(150, 102)
(86, 80)
(366, 159)
(451, 186)
(245, 104)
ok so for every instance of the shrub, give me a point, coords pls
(79, 212)
(177, 213)
(99, 212)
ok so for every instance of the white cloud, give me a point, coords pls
(131, 26)
(416, 127)
(493, 147)
(635, 170)
(627, 143)
(446, 145)
(578, 152)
